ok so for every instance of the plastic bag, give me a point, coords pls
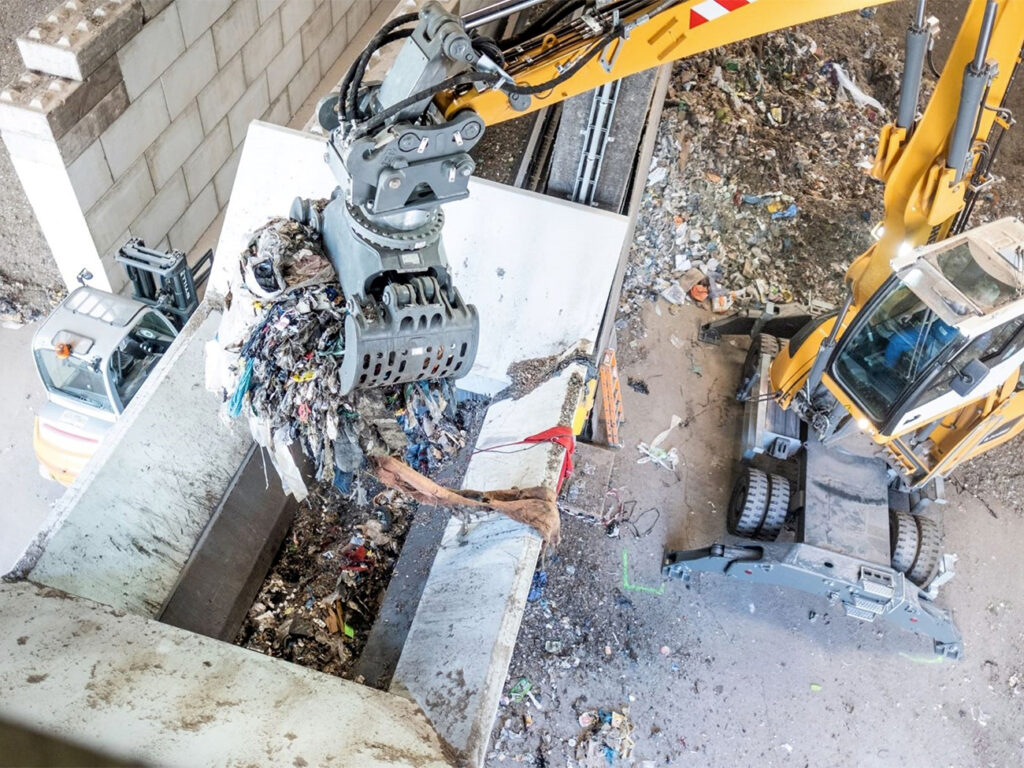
(862, 99)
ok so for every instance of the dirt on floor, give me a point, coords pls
(726, 673)
(613, 666)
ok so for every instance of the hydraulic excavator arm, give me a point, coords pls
(400, 148)
(934, 166)
(928, 163)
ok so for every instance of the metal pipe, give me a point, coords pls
(602, 113)
(918, 40)
(496, 11)
(825, 352)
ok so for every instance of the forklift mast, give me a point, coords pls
(164, 280)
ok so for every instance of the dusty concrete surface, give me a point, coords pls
(125, 529)
(27, 496)
(149, 693)
(730, 674)
(24, 255)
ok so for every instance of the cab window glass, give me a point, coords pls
(73, 377)
(891, 350)
(991, 348)
(961, 269)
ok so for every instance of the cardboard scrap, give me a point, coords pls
(534, 507)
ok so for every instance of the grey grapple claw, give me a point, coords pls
(418, 331)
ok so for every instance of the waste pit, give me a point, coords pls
(360, 464)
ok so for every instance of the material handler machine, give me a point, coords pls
(852, 418)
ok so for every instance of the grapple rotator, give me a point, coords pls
(397, 160)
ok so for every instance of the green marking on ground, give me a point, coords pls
(636, 587)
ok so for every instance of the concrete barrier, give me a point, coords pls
(123, 532)
(148, 693)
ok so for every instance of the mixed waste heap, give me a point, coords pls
(762, 147)
(371, 453)
(280, 348)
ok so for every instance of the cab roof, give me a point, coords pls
(91, 321)
(974, 280)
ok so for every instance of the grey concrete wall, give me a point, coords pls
(134, 126)
(152, 694)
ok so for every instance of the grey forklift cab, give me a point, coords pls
(96, 349)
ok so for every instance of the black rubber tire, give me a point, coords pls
(763, 342)
(777, 509)
(748, 503)
(929, 551)
(903, 540)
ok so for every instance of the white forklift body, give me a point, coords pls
(92, 355)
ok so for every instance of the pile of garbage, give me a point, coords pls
(761, 148)
(323, 593)
(277, 361)
(281, 344)
(607, 737)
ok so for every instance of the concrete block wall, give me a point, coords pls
(130, 117)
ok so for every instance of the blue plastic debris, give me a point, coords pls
(786, 213)
(238, 398)
(343, 481)
(540, 580)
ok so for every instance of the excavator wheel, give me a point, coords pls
(748, 503)
(763, 342)
(778, 508)
(903, 538)
(929, 551)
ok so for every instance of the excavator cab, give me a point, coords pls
(945, 331)
(93, 353)
(96, 349)
(927, 374)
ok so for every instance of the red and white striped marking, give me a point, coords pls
(710, 10)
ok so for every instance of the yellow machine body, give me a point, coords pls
(922, 200)
(922, 195)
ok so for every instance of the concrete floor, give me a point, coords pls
(726, 673)
(27, 497)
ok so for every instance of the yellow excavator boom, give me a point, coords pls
(924, 187)
(933, 166)
(655, 33)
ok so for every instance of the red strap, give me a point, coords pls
(564, 437)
